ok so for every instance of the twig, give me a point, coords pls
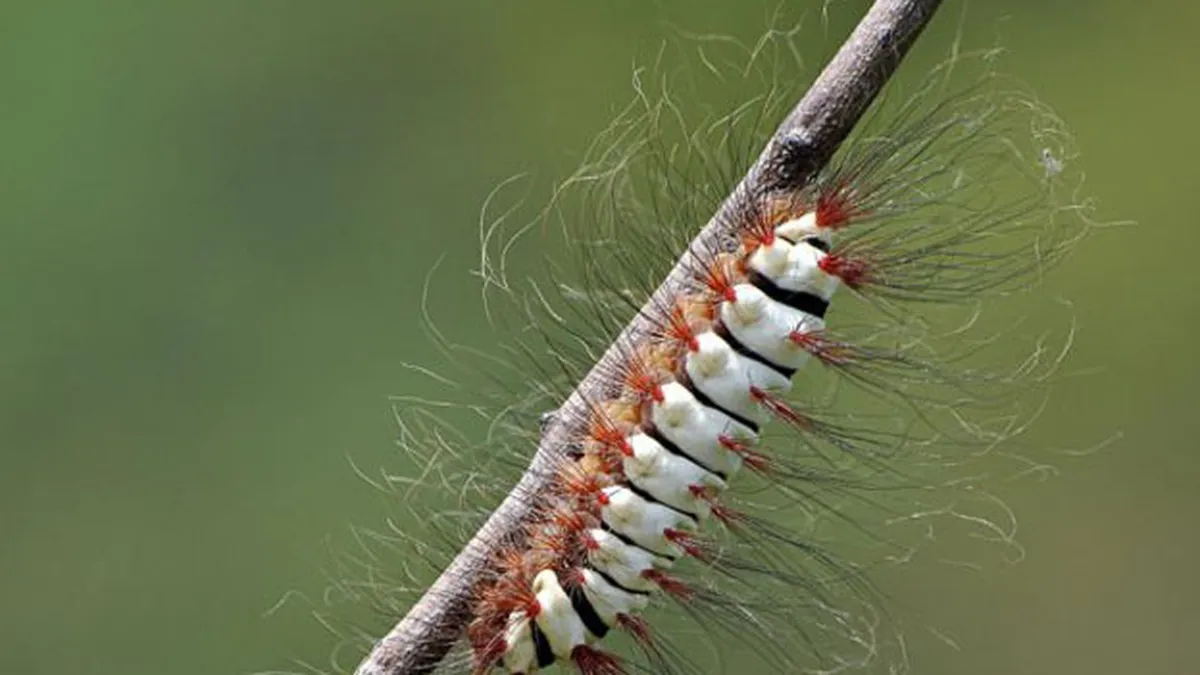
(800, 147)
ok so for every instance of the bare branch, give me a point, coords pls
(802, 145)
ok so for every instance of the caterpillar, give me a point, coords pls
(651, 470)
(668, 489)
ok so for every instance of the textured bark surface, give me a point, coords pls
(802, 145)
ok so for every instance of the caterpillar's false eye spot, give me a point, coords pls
(626, 448)
(656, 393)
(602, 498)
(729, 294)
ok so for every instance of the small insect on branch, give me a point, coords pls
(800, 147)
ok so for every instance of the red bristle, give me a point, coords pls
(835, 207)
(609, 462)
(604, 432)
(555, 548)
(754, 459)
(487, 655)
(854, 272)
(585, 488)
(511, 559)
(486, 635)
(573, 578)
(560, 518)
(816, 344)
(781, 409)
(637, 627)
(760, 232)
(689, 543)
(719, 279)
(513, 593)
(669, 584)
(705, 308)
(679, 329)
(641, 380)
(592, 661)
(568, 519)
(590, 543)
(731, 518)
(731, 444)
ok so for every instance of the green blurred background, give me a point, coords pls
(215, 221)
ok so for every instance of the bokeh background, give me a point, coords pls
(216, 219)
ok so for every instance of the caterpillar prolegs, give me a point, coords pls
(702, 478)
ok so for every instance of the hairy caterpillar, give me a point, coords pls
(916, 212)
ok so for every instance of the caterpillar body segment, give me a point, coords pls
(622, 566)
(695, 421)
(755, 323)
(689, 429)
(673, 480)
(644, 522)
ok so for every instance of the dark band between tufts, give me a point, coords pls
(625, 539)
(646, 495)
(736, 345)
(587, 613)
(804, 301)
(545, 655)
(613, 582)
(667, 444)
(707, 401)
(817, 243)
